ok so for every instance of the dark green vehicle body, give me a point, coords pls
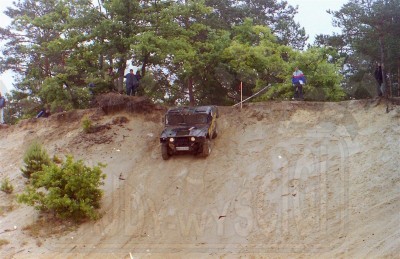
(189, 129)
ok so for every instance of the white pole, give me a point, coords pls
(248, 98)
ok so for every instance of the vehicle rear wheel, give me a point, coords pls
(164, 152)
(206, 147)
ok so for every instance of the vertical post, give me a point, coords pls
(241, 94)
(190, 88)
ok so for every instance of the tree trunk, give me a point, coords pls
(47, 70)
(398, 77)
(390, 83)
(144, 65)
(190, 88)
(101, 63)
(98, 2)
(121, 74)
(101, 59)
(382, 50)
(190, 80)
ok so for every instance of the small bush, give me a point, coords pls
(69, 191)
(35, 159)
(87, 125)
(6, 186)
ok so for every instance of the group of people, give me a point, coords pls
(132, 82)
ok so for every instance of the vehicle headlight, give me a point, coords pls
(171, 140)
(193, 139)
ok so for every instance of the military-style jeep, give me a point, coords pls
(189, 129)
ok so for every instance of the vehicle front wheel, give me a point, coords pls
(215, 133)
(164, 152)
(206, 148)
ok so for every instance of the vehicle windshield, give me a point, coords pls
(178, 119)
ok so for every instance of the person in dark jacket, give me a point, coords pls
(131, 83)
(298, 80)
(44, 113)
(379, 79)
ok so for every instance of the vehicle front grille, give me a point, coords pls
(182, 142)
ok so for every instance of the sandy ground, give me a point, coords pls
(284, 179)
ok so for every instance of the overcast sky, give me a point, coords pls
(311, 15)
(5, 78)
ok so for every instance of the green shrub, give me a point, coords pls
(6, 186)
(87, 125)
(35, 159)
(69, 191)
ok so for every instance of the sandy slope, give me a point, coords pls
(285, 179)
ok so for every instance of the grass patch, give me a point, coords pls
(6, 186)
(87, 125)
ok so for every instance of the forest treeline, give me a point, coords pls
(192, 52)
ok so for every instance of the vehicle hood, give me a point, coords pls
(185, 131)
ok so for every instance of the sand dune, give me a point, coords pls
(284, 179)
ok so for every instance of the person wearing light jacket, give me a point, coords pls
(298, 80)
(2, 105)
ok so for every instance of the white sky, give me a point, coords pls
(6, 79)
(311, 15)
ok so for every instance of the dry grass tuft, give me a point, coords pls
(47, 226)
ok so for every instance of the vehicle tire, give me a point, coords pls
(215, 133)
(164, 152)
(206, 148)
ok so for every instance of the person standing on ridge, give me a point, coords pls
(131, 83)
(2, 105)
(298, 80)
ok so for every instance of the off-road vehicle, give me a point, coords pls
(189, 129)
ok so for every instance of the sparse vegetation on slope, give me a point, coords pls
(6, 186)
(70, 190)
